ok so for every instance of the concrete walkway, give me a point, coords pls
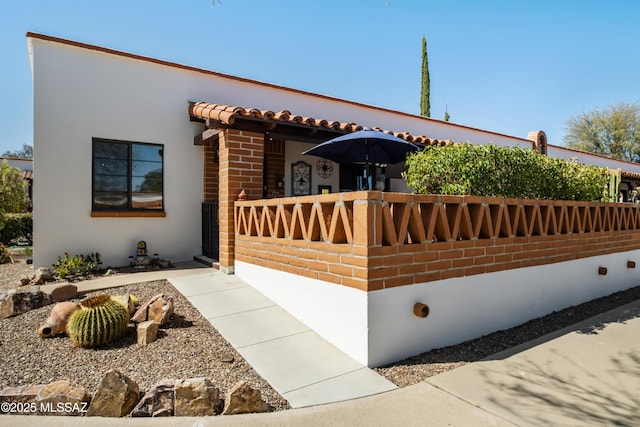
(303, 367)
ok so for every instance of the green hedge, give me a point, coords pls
(16, 228)
(490, 170)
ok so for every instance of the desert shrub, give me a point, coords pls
(79, 265)
(5, 256)
(16, 228)
(14, 196)
(513, 172)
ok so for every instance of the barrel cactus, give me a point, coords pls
(99, 321)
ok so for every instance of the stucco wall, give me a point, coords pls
(591, 159)
(470, 307)
(82, 92)
(79, 95)
(379, 327)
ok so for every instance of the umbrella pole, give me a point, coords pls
(366, 167)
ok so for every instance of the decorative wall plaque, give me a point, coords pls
(300, 179)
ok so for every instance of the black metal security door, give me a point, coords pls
(210, 230)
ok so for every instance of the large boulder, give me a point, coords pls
(243, 399)
(61, 398)
(20, 394)
(157, 401)
(20, 302)
(63, 292)
(196, 397)
(115, 396)
(161, 311)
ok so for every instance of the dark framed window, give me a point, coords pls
(127, 176)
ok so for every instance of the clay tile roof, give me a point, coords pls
(227, 114)
(631, 175)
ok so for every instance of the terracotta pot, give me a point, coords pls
(57, 321)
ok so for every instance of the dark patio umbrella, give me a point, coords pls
(368, 146)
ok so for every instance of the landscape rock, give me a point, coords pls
(115, 396)
(147, 332)
(20, 394)
(161, 310)
(196, 397)
(157, 401)
(20, 302)
(243, 399)
(141, 314)
(61, 398)
(24, 280)
(43, 275)
(63, 292)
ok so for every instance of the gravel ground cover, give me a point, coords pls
(187, 347)
(10, 274)
(191, 347)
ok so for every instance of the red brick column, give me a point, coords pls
(241, 156)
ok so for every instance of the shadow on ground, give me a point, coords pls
(551, 395)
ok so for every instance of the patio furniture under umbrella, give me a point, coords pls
(367, 145)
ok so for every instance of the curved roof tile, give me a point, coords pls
(228, 113)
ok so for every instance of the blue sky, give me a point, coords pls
(507, 66)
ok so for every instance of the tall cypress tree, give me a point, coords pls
(425, 90)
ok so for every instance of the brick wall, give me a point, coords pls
(362, 241)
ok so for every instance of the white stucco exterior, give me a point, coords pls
(591, 159)
(82, 92)
(379, 327)
(79, 95)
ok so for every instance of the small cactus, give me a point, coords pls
(613, 189)
(99, 321)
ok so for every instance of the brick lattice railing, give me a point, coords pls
(374, 240)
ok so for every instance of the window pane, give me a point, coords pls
(111, 150)
(146, 176)
(147, 152)
(110, 167)
(142, 169)
(127, 175)
(110, 183)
